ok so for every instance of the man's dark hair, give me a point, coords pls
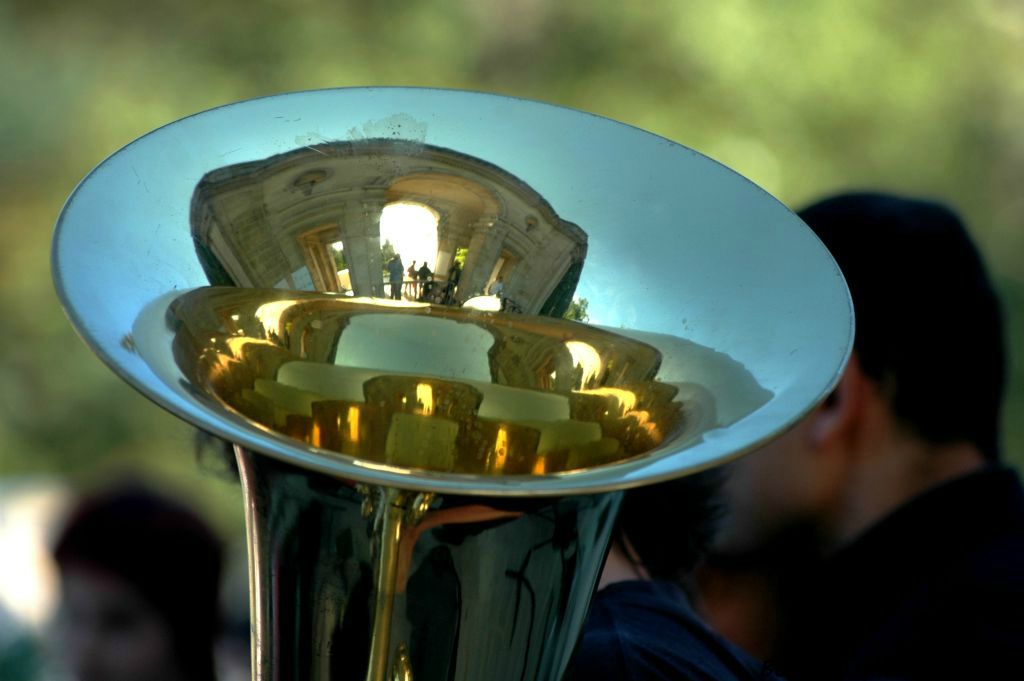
(929, 325)
(670, 524)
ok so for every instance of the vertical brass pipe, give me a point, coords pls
(254, 553)
(389, 523)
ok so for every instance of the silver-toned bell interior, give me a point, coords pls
(547, 301)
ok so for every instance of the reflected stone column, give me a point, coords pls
(549, 266)
(484, 250)
(360, 233)
(445, 249)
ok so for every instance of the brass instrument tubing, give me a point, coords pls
(391, 520)
(256, 562)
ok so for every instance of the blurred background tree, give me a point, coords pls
(804, 98)
(387, 251)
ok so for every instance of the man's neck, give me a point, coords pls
(902, 470)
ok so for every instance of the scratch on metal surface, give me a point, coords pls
(137, 177)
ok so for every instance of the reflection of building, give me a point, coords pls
(270, 223)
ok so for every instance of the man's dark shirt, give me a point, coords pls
(934, 591)
(646, 631)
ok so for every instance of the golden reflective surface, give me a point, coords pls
(428, 387)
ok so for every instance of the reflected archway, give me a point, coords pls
(408, 230)
(281, 222)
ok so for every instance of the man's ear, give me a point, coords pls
(837, 420)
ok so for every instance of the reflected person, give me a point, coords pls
(395, 272)
(410, 284)
(425, 277)
(454, 274)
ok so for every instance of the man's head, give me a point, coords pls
(929, 327)
(920, 400)
(140, 582)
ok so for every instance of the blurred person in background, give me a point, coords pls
(881, 537)
(139, 581)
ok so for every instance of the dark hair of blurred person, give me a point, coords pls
(641, 625)
(139, 577)
(929, 324)
(885, 536)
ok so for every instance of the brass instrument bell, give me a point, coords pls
(432, 458)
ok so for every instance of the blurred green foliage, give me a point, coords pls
(805, 98)
(577, 311)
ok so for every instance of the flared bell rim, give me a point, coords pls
(76, 290)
